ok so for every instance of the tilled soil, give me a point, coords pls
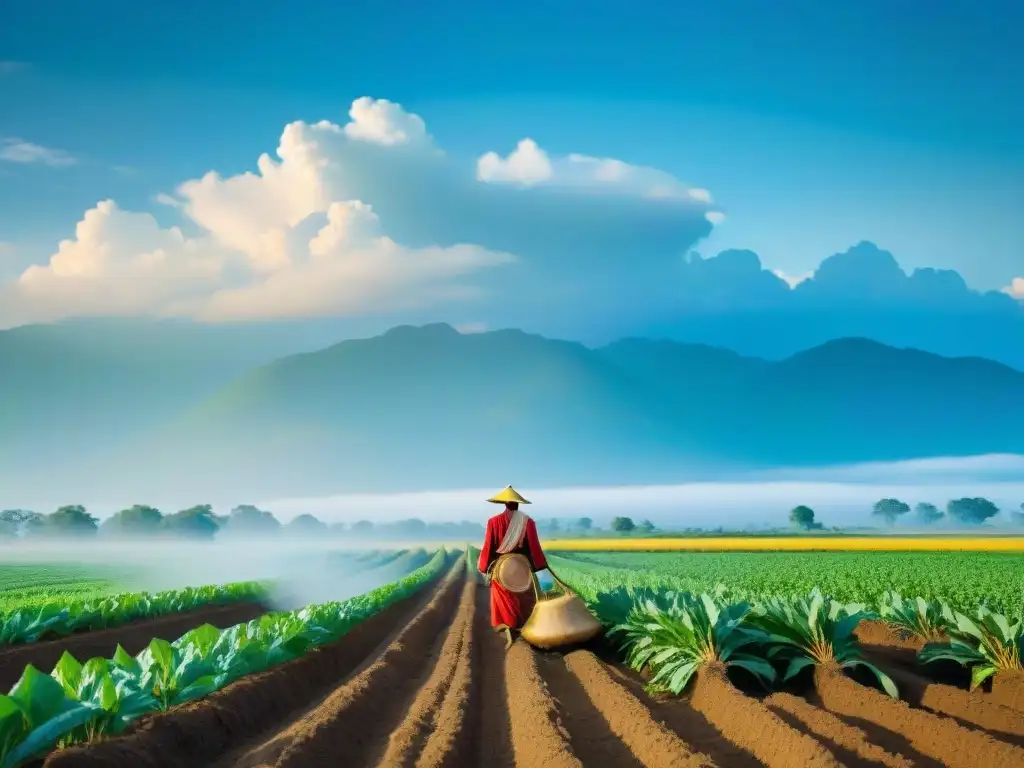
(428, 684)
(133, 637)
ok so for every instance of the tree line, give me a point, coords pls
(965, 511)
(200, 522)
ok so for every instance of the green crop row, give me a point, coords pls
(62, 617)
(33, 585)
(963, 580)
(80, 702)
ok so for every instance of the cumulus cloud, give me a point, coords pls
(1015, 288)
(715, 217)
(302, 235)
(529, 165)
(13, 150)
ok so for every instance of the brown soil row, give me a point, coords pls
(420, 723)
(751, 725)
(201, 733)
(356, 718)
(850, 745)
(941, 739)
(133, 637)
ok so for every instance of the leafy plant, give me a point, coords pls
(81, 702)
(989, 645)
(926, 619)
(676, 633)
(812, 631)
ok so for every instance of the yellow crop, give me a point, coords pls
(798, 544)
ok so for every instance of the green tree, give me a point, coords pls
(584, 524)
(12, 521)
(552, 526)
(248, 520)
(890, 510)
(645, 527)
(971, 511)
(306, 525)
(196, 522)
(802, 517)
(928, 513)
(622, 524)
(70, 520)
(136, 520)
(1018, 517)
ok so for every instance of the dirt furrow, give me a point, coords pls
(356, 718)
(751, 725)
(489, 694)
(676, 714)
(538, 737)
(851, 745)
(590, 737)
(1008, 690)
(408, 740)
(650, 742)
(203, 732)
(975, 710)
(937, 737)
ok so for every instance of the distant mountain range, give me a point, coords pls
(145, 412)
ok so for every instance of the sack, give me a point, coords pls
(514, 573)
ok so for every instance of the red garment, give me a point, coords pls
(510, 608)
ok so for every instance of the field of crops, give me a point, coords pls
(689, 673)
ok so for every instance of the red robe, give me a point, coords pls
(510, 608)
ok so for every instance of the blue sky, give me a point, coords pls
(814, 125)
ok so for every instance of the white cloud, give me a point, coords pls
(1015, 288)
(715, 217)
(529, 165)
(301, 234)
(383, 122)
(14, 150)
(792, 280)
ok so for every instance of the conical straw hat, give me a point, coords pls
(509, 494)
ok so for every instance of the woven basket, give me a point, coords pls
(514, 573)
(560, 620)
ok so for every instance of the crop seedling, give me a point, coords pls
(676, 633)
(989, 645)
(928, 620)
(811, 631)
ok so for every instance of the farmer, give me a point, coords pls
(510, 532)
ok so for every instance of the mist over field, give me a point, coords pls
(841, 496)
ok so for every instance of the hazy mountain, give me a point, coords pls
(428, 407)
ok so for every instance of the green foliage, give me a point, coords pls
(815, 631)
(585, 523)
(645, 527)
(928, 513)
(622, 524)
(67, 521)
(82, 702)
(676, 633)
(802, 517)
(137, 520)
(196, 522)
(989, 644)
(59, 617)
(963, 580)
(929, 620)
(971, 511)
(890, 510)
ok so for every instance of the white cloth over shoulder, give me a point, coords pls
(514, 535)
